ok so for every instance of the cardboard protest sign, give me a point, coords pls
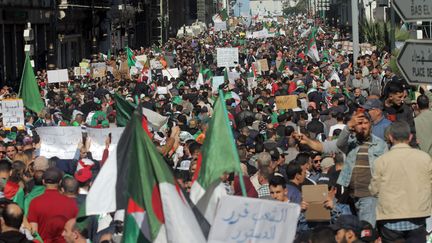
(99, 72)
(316, 195)
(84, 65)
(286, 102)
(98, 138)
(242, 219)
(59, 141)
(57, 76)
(216, 82)
(220, 26)
(227, 57)
(79, 71)
(171, 73)
(13, 113)
(263, 65)
(124, 70)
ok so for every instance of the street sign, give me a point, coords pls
(413, 10)
(415, 61)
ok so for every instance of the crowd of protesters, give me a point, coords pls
(357, 128)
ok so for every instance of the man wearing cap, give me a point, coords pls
(83, 177)
(51, 205)
(380, 123)
(361, 148)
(348, 229)
(402, 181)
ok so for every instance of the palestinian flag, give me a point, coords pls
(312, 50)
(136, 178)
(218, 156)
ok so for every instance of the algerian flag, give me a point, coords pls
(312, 50)
(218, 156)
(132, 62)
(154, 198)
(155, 120)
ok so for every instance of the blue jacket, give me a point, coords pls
(348, 144)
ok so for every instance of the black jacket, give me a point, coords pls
(13, 237)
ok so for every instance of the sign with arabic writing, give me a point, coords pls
(242, 219)
(98, 137)
(59, 141)
(413, 10)
(12, 113)
(415, 61)
(227, 57)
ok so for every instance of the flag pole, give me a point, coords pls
(240, 173)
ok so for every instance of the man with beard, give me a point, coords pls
(361, 148)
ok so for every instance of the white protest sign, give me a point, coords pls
(57, 76)
(155, 64)
(98, 138)
(233, 76)
(252, 83)
(162, 90)
(216, 81)
(227, 57)
(59, 141)
(142, 59)
(171, 73)
(13, 113)
(242, 219)
(220, 26)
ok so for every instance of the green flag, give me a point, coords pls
(282, 64)
(218, 156)
(124, 110)
(130, 57)
(109, 54)
(29, 90)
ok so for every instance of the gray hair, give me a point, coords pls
(400, 131)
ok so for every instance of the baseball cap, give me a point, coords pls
(368, 233)
(348, 222)
(52, 176)
(373, 104)
(327, 162)
(83, 174)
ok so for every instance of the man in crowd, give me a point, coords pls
(423, 124)
(403, 204)
(361, 151)
(11, 220)
(51, 209)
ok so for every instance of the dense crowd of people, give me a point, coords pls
(357, 128)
